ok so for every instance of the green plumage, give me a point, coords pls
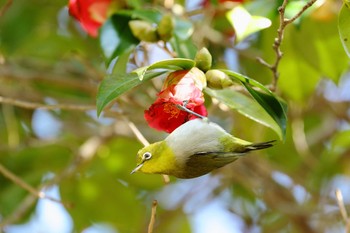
(204, 162)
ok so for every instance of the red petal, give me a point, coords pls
(167, 117)
(90, 13)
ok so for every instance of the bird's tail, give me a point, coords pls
(259, 146)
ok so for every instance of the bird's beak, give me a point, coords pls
(137, 168)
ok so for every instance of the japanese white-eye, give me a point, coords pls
(194, 149)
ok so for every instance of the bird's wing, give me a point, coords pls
(213, 159)
(219, 154)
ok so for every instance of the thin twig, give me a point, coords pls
(31, 105)
(284, 22)
(137, 133)
(343, 212)
(19, 212)
(163, 45)
(85, 152)
(5, 7)
(153, 216)
(143, 140)
(305, 7)
(21, 183)
(183, 108)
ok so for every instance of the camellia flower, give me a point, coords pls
(183, 88)
(90, 13)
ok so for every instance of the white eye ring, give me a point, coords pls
(147, 156)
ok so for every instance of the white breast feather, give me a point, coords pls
(195, 136)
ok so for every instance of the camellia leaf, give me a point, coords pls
(115, 85)
(183, 29)
(149, 15)
(274, 107)
(168, 64)
(116, 37)
(343, 26)
(245, 106)
(183, 48)
(246, 24)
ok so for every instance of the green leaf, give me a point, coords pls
(149, 15)
(323, 52)
(183, 29)
(244, 79)
(301, 68)
(272, 106)
(115, 85)
(116, 37)
(343, 27)
(168, 64)
(340, 142)
(246, 24)
(121, 63)
(183, 48)
(245, 106)
(275, 108)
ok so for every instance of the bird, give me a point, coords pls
(195, 148)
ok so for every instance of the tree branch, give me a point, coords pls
(343, 212)
(21, 183)
(5, 7)
(31, 105)
(153, 216)
(284, 22)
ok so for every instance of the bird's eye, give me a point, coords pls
(146, 156)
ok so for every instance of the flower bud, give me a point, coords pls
(203, 59)
(166, 27)
(217, 79)
(143, 30)
(194, 75)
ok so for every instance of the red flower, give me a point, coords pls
(179, 87)
(90, 13)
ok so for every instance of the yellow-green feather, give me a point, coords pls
(163, 160)
(233, 144)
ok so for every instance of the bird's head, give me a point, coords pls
(155, 158)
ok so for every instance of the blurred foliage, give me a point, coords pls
(45, 57)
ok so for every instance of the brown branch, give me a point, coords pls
(284, 22)
(19, 212)
(5, 7)
(31, 105)
(85, 152)
(342, 209)
(21, 183)
(153, 216)
(163, 45)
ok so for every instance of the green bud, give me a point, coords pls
(166, 27)
(203, 59)
(217, 79)
(143, 30)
